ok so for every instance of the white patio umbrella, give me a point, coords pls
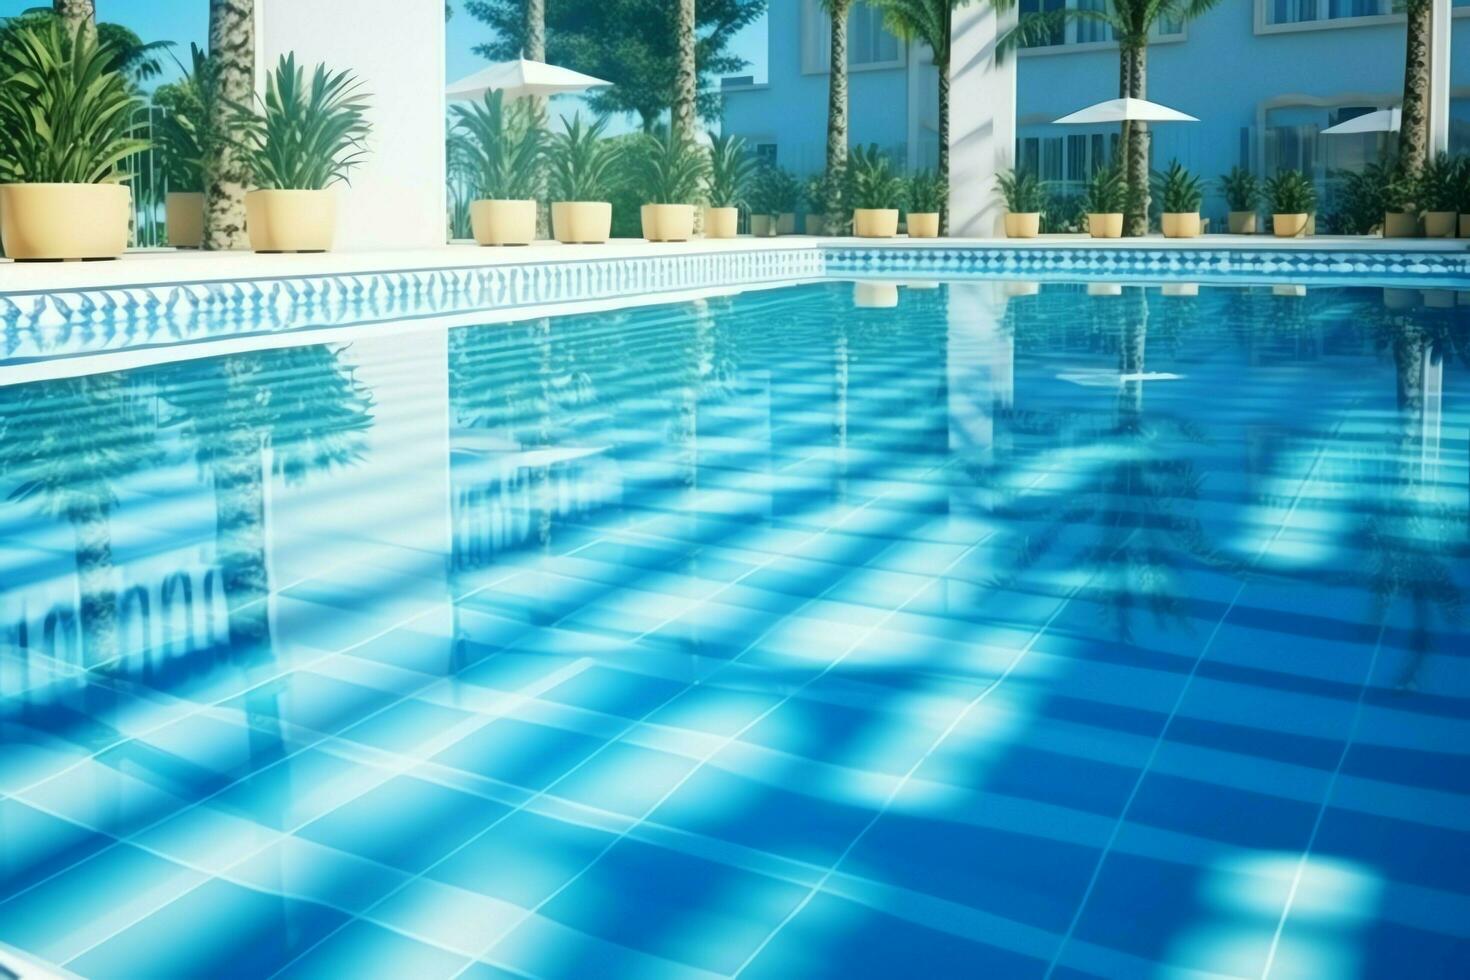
(520, 78)
(1381, 121)
(1124, 110)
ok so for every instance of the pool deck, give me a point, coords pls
(161, 266)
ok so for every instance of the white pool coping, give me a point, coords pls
(163, 266)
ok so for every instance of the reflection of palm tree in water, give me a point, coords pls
(66, 444)
(1139, 500)
(301, 405)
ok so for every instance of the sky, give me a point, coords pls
(185, 21)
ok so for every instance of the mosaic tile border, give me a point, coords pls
(1268, 263)
(71, 322)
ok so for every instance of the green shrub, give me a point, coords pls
(304, 135)
(776, 191)
(1107, 191)
(1242, 189)
(732, 171)
(1461, 185)
(1358, 200)
(1024, 192)
(1439, 183)
(1290, 192)
(184, 133)
(926, 193)
(1064, 215)
(500, 146)
(580, 162)
(666, 169)
(1401, 190)
(1180, 191)
(66, 115)
(872, 179)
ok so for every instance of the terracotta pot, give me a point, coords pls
(875, 295)
(581, 222)
(721, 222)
(1465, 226)
(291, 221)
(1242, 222)
(48, 222)
(763, 225)
(668, 222)
(183, 213)
(503, 222)
(816, 224)
(1440, 224)
(1289, 225)
(1180, 224)
(875, 222)
(1400, 224)
(1027, 225)
(924, 225)
(1108, 225)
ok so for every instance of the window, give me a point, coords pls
(1307, 11)
(869, 45)
(1086, 30)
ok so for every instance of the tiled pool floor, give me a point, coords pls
(991, 635)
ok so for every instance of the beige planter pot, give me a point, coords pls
(875, 295)
(1241, 222)
(1181, 290)
(581, 222)
(816, 224)
(875, 222)
(721, 222)
(1440, 299)
(763, 225)
(1400, 224)
(1105, 289)
(183, 213)
(1440, 224)
(1026, 225)
(1019, 287)
(924, 225)
(291, 221)
(786, 223)
(1108, 225)
(668, 222)
(1465, 226)
(1401, 299)
(1180, 224)
(1289, 225)
(503, 222)
(50, 222)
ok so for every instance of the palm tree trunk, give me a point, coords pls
(226, 177)
(76, 14)
(943, 70)
(239, 500)
(535, 47)
(837, 216)
(1414, 130)
(96, 583)
(686, 78)
(1137, 142)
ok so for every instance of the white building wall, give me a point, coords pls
(982, 124)
(397, 197)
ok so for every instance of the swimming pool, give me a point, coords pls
(1010, 630)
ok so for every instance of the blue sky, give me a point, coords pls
(183, 21)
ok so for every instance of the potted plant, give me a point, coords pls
(670, 171)
(1026, 196)
(1293, 200)
(500, 147)
(1104, 200)
(773, 209)
(1439, 195)
(1181, 193)
(306, 137)
(580, 165)
(731, 171)
(1243, 196)
(1400, 203)
(66, 126)
(814, 192)
(926, 199)
(1462, 196)
(877, 193)
(182, 136)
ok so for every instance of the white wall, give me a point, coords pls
(397, 198)
(982, 126)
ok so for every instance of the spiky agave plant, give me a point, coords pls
(667, 169)
(501, 146)
(66, 112)
(732, 170)
(305, 134)
(580, 162)
(875, 184)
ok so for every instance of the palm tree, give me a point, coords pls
(686, 77)
(1414, 126)
(76, 14)
(226, 176)
(837, 216)
(535, 49)
(932, 22)
(1132, 22)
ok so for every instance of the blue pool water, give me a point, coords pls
(781, 635)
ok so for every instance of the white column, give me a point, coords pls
(982, 126)
(1439, 77)
(397, 198)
